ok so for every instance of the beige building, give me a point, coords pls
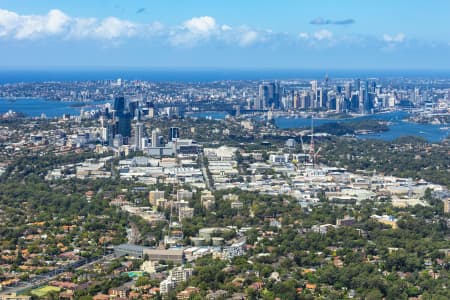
(14, 296)
(154, 196)
(207, 199)
(447, 205)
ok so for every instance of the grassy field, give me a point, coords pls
(40, 292)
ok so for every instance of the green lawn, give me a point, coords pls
(40, 292)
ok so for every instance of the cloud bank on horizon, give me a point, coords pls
(204, 40)
(322, 21)
(190, 33)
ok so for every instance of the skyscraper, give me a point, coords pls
(314, 93)
(366, 102)
(122, 116)
(174, 133)
(139, 136)
(124, 124)
(357, 84)
(155, 138)
(269, 94)
(119, 105)
(348, 90)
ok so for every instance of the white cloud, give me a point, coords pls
(112, 28)
(32, 26)
(192, 31)
(226, 27)
(323, 35)
(58, 24)
(200, 25)
(248, 38)
(196, 31)
(56, 21)
(303, 36)
(399, 38)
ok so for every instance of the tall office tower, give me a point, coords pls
(305, 100)
(155, 138)
(278, 92)
(257, 103)
(357, 84)
(355, 102)
(119, 105)
(123, 117)
(249, 103)
(339, 103)
(133, 107)
(314, 85)
(319, 98)
(262, 97)
(361, 99)
(287, 100)
(415, 96)
(348, 90)
(266, 95)
(366, 104)
(110, 132)
(330, 100)
(378, 90)
(314, 93)
(296, 101)
(124, 124)
(174, 133)
(373, 87)
(139, 136)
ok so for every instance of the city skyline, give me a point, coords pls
(225, 34)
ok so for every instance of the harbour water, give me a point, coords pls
(34, 107)
(398, 126)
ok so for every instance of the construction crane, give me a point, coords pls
(301, 140)
(315, 156)
(311, 144)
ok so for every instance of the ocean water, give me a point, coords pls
(202, 75)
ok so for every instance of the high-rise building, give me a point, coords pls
(139, 136)
(361, 98)
(122, 117)
(124, 124)
(357, 84)
(155, 138)
(366, 102)
(174, 133)
(278, 93)
(269, 95)
(119, 105)
(320, 98)
(348, 90)
(314, 87)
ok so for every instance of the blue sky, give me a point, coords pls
(281, 34)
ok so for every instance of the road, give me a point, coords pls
(43, 279)
(209, 186)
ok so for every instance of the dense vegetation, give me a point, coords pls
(407, 157)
